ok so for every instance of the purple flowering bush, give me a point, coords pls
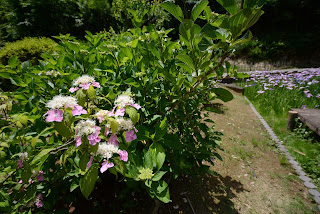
(126, 107)
(278, 92)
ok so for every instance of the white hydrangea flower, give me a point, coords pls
(123, 100)
(102, 113)
(85, 79)
(107, 150)
(85, 127)
(61, 101)
(124, 124)
(23, 156)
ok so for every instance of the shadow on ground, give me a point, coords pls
(209, 194)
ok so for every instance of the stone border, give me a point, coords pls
(302, 175)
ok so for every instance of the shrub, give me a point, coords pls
(27, 49)
(136, 117)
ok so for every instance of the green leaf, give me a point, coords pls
(158, 154)
(41, 157)
(161, 130)
(87, 183)
(154, 51)
(244, 19)
(147, 160)
(173, 9)
(198, 8)
(63, 129)
(114, 125)
(223, 94)
(229, 5)
(186, 60)
(91, 92)
(158, 175)
(245, 38)
(26, 172)
(73, 186)
(161, 191)
(81, 97)
(83, 161)
(13, 61)
(250, 3)
(133, 114)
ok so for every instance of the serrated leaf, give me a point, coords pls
(198, 8)
(133, 114)
(63, 129)
(41, 157)
(158, 175)
(87, 183)
(147, 160)
(186, 60)
(161, 130)
(229, 5)
(26, 172)
(13, 61)
(114, 125)
(158, 154)
(173, 9)
(81, 97)
(83, 161)
(223, 94)
(91, 92)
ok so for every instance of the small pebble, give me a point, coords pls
(176, 207)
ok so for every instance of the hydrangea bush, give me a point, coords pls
(129, 105)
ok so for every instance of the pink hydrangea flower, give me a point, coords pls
(39, 202)
(123, 155)
(130, 136)
(106, 166)
(74, 89)
(94, 138)
(40, 176)
(78, 110)
(90, 162)
(54, 115)
(85, 86)
(137, 106)
(19, 164)
(106, 131)
(96, 84)
(113, 140)
(78, 141)
(120, 112)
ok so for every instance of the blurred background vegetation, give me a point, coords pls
(289, 29)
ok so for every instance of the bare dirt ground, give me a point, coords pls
(253, 176)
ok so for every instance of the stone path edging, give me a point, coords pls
(302, 175)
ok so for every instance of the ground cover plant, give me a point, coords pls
(126, 104)
(274, 94)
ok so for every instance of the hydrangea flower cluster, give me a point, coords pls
(84, 82)
(106, 150)
(87, 128)
(60, 103)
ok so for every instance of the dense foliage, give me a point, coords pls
(136, 110)
(27, 49)
(30, 18)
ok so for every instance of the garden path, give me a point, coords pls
(254, 176)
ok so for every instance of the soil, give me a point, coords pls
(254, 177)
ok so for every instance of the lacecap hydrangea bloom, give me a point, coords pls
(60, 103)
(106, 150)
(84, 82)
(87, 128)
